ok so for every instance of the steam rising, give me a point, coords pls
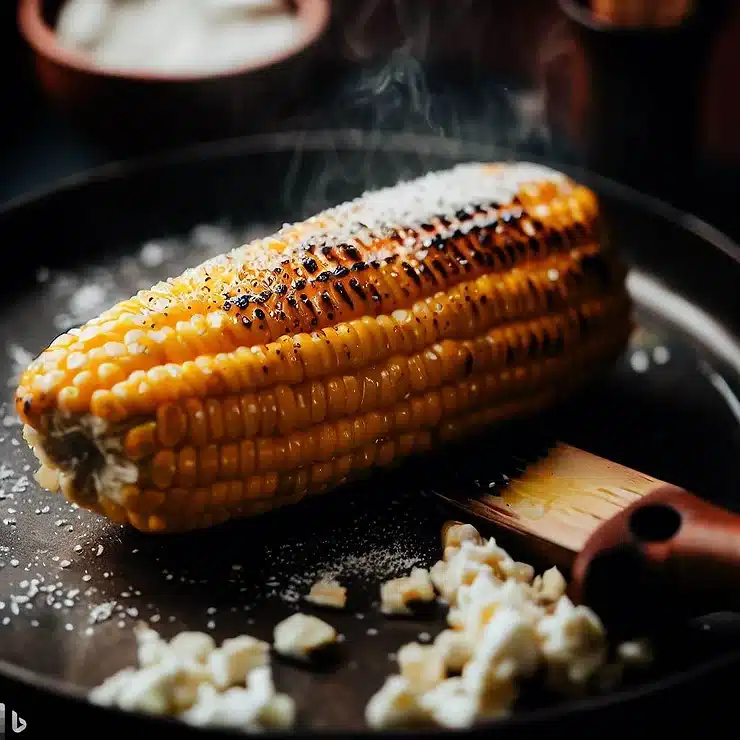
(403, 89)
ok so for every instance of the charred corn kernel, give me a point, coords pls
(411, 316)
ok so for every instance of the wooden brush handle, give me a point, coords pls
(669, 555)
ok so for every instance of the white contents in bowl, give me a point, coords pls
(194, 37)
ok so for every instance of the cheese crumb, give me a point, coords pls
(573, 644)
(423, 666)
(455, 533)
(328, 593)
(450, 705)
(196, 646)
(300, 635)
(150, 647)
(550, 586)
(397, 594)
(396, 705)
(237, 656)
(455, 648)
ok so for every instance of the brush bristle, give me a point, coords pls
(560, 499)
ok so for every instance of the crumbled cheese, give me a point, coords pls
(550, 586)
(450, 705)
(184, 690)
(300, 635)
(507, 650)
(423, 666)
(328, 593)
(573, 644)
(189, 677)
(396, 705)
(397, 594)
(455, 533)
(196, 646)
(145, 690)
(455, 648)
(254, 708)
(505, 625)
(230, 663)
(477, 603)
(150, 647)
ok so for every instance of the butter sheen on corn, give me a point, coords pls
(382, 327)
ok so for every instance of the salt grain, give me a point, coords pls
(639, 361)
(101, 612)
(152, 255)
(661, 355)
(87, 300)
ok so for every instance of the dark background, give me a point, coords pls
(467, 55)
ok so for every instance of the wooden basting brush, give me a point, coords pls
(635, 545)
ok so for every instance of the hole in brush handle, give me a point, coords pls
(655, 523)
(667, 557)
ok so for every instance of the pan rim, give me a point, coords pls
(402, 142)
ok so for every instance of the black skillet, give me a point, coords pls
(669, 409)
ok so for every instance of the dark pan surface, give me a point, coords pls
(72, 585)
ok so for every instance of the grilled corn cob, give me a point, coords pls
(375, 329)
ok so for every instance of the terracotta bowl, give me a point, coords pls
(139, 111)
